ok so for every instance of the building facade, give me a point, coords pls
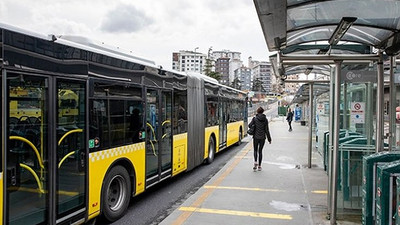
(244, 77)
(188, 61)
(234, 62)
(222, 67)
(262, 72)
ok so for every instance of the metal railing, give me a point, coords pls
(350, 176)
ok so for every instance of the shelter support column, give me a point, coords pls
(335, 153)
(392, 105)
(331, 131)
(310, 123)
(379, 106)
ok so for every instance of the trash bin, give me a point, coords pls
(369, 176)
(282, 110)
(384, 191)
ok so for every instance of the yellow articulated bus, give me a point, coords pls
(85, 129)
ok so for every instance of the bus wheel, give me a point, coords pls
(211, 151)
(240, 138)
(116, 193)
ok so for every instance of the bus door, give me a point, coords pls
(222, 122)
(159, 138)
(45, 181)
(71, 149)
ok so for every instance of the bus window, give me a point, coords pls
(212, 109)
(117, 124)
(134, 120)
(180, 112)
(98, 123)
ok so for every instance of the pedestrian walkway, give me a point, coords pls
(284, 192)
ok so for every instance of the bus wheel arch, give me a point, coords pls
(116, 191)
(211, 149)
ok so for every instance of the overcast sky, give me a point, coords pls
(152, 29)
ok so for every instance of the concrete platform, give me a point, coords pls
(284, 192)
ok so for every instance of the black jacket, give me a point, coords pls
(289, 116)
(261, 129)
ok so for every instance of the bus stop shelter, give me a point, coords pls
(352, 39)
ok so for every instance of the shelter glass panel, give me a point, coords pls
(331, 12)
(369, 35)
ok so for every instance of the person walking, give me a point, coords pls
(289, 118)
(261, 132)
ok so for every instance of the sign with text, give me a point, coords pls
(357, 112)
(359, 76)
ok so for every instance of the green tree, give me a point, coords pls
(208, 70)
(257, 85)
(236, 83)
(214, 75)
(207, 67)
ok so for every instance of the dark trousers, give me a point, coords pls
(258, 146)
(290, 125)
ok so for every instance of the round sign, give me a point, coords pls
(357, 106)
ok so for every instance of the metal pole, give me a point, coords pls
(392, 105)
(368, 113)
(310, 122)
(379, 106)
(4, 134)
(330, 144)
(345, 107)
(335, 143)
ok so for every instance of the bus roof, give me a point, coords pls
(101, 46)
(84, 44)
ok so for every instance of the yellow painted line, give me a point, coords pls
(243, 157)
(244, 188)
(320, 192)
(186, 214)
(237, 213)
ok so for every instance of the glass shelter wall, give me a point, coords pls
(396, 108)
(357, 123)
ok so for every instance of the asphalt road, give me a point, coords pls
(158, 202)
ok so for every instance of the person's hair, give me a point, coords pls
(290, 109)
(260, 110)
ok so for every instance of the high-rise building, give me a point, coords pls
(244, 78)
(262, 72)
(188, 61)
(222, 67)
(233, 60)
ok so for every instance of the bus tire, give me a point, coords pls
(116, 193)
(211, 151)
(240, 138)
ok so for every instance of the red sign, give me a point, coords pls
(357, 106)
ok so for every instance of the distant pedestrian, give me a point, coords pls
(289, 118)
(261, 132)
